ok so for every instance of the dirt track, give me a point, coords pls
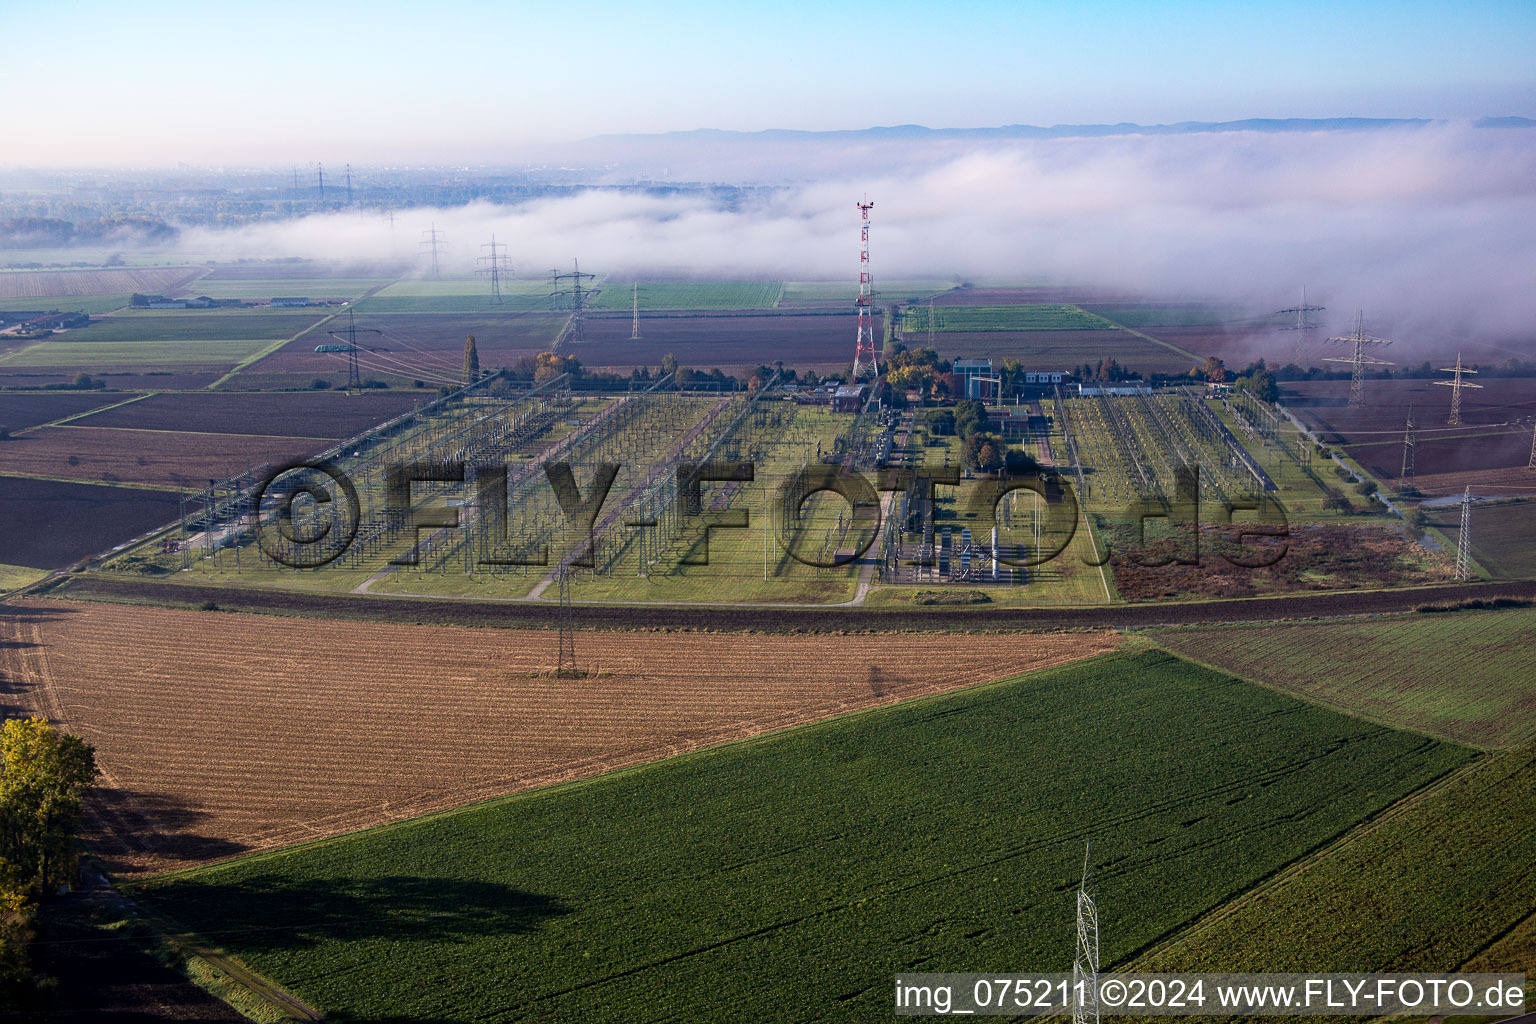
(221, 733)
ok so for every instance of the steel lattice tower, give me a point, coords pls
(1532, 463)
(634, 327)
(1085, 967)
(1304, 325)
(1464, 538)
(565, 666)
(1456, 384)
(351, 331)
(1358, 360)
(1409, 439)
(495, 264)
(865, 348)
(430, 240)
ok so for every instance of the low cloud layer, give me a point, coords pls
(1432, 231)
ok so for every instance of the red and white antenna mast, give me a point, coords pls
(865, 363)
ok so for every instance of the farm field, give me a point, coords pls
(92, 304)
(1503, 535)
(879, 843)
(158, 457)
(461, 295)
(50, 524)
(136, 379)
(1055, 350)
(263, 289)
(843, 293)
(126, 357)
(1042, 317)
(421, 346)
(1146, 315)
(20, 410)
(1467, 676)
(194, 325)
(14, 576)
(113, 281)
(279, 748)
(1440, 884)
(809, 341)
(328, 414)
(689, 295)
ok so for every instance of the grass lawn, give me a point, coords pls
(791, 877)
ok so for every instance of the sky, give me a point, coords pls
(158, 83)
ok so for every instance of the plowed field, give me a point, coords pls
(220, 732)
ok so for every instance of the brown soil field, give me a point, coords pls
(47, 524)
(20, 411)
(330, 414)
(1515, 481)
(1075, 294)
(729, 342)
(1491, 436)
(1056, 350)
(1322, 405)
(121, 280)
(219, 733)
(147, 381)
(177, 459)
(427, 346)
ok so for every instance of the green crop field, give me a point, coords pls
(108, 355)
(791, 877)
(92, 304)
(456, 295)
(1429, 888)
(1467, 676)
(690, 295)
(1044, 317)
(196, 325)
(1503, 536)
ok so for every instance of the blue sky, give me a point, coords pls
(154, 83)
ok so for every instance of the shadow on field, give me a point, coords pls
(280, 912)
(125, 824)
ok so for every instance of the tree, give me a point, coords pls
(547, 366)
(940, 422)
(970, 417)
(5, 433)
(1337, 500)
(471, 360)
(984, 452)
(1214, 370)
(44, 776)
(668, 364)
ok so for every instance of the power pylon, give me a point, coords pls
(349, 184)
(351, 331)
(864, 349)
(634, 329)
(1456, 384)
(930, 323)
(320, 174)
(565, 666)
(495, 263)
(430, 239)
(1085, 966)
(1409, 439)
(1358, 360)
(578, 298)
(1532, 463)
(1304, 325)
(1464, 538)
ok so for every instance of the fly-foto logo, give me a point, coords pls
(293, 538)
